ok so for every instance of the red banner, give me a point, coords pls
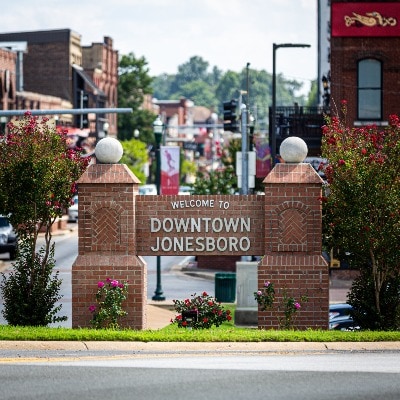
(263, 157)
(169, 169)
(365, 19)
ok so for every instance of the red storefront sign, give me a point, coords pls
(365, 19)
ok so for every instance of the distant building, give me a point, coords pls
(8, 75)
(365, 60)
(54, 76)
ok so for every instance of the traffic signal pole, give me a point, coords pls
(245, 154)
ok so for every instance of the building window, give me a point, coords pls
(369, 89)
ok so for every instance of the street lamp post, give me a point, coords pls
(273, 117)
(158, 128)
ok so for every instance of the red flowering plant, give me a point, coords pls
(361, 212)
(108, 308)
(37, 178)
(204, 312)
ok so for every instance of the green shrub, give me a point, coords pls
(365, 312)
(30, 292)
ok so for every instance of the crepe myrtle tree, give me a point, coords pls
(362, 213)
(37, 177)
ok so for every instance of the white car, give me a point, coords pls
(185, 190)
(148, 189)
(73, 210)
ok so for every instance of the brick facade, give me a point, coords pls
(115, 229)
(107, 243)
(293, 245)
(7, 79)
(345, 54)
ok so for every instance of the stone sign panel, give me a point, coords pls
(200, 225)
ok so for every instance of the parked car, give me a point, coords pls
(344, 323)
(73, 210)
(148, 189)
(185, 190)
(339, 310)
(8, 238)
(340, 318)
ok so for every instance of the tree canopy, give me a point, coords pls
(210, 87)
(133, 84)
(362, 214)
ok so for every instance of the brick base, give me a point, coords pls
(300, 276)
(88, 270)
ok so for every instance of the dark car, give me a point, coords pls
(8, 238)
(339, 310)
(344, 323)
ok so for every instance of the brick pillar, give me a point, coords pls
(293, 245)
(107, 243)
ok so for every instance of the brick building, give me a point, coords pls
(7, 78)
(54, 76)
(365, 59)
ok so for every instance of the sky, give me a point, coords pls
(227, 34)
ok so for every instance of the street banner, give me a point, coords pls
(263, 157)
(169, 169)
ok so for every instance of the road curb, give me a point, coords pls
(203, 347)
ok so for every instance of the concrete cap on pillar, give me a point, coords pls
(109, 151)
(293, 150)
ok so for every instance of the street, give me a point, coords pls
(199, 374)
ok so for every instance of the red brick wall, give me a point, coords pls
(346, 52)
(7, 89)
(293, 232)
(285, 223)
(107, 243)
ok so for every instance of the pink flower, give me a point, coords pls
(297, 305)
(114, 283)
(267, 283)
(100, 284)
(259, 293)
(92, 308)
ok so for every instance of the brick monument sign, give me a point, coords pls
(117, 226)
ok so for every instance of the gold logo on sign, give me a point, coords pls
(370, 19)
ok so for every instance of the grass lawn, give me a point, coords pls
(227, 332)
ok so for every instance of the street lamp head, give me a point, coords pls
(158, 128)
(276, 46)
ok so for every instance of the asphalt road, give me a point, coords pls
(200, 375)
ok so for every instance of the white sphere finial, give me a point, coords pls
(293, 150)
(109, 150)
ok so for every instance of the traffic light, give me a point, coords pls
(230, 116)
